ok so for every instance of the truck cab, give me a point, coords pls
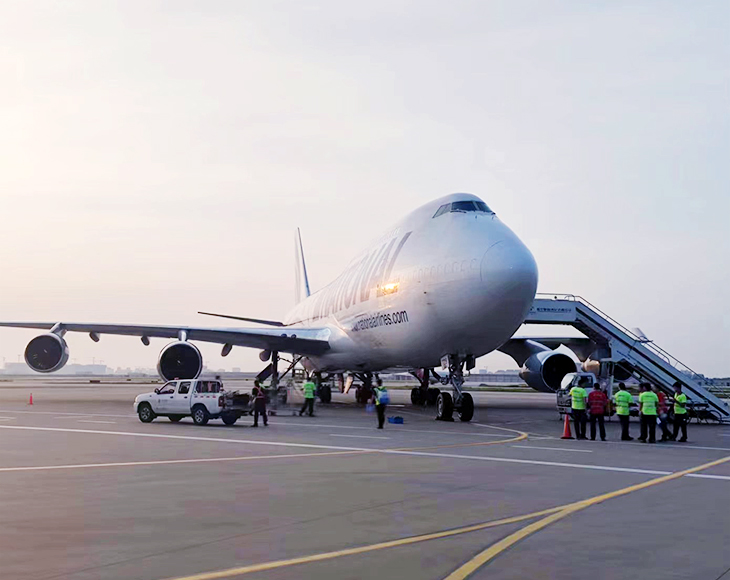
(201, 399)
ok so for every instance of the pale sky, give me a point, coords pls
(156, 157)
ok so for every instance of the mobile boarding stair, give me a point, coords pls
(632, 352)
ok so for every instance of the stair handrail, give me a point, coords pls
(655, 348)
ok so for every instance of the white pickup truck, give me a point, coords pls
(200, 399)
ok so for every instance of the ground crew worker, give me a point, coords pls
(680, 413)
(662, 413)
(597, 403)
(259, 404)
(648, 403)
(381, 399)
(578, 398)
(623, 401)
(309, 389)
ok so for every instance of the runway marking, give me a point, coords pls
(414, 451)
(92, 421)
(553, 514)
(358, 436)
(551, 448)
(398, 428)
(8, 418)
(709, 476)
(66, 414)
(494, 550)
(361, 549)
(70, 417)
(169, 461)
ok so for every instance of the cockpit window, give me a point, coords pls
(463, 206)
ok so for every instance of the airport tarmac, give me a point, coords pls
(90, 492)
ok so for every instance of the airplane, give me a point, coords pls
(448, 283)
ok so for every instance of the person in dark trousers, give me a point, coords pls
(661, 409)
(381, 400)
(597, 403)
(309, 390)
(648, 403)
(623, 401)
(259, 404)
(578, 398)
(680, 413)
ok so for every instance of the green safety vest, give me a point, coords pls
(578, 397)
(309, 389)
(379, 392)
(623, 402)
(648, 401)
(680, 409)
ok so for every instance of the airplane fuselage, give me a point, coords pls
(441, 281)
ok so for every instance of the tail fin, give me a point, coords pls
(301, 290)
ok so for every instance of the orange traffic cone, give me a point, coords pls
(30, 401)
(566, 428)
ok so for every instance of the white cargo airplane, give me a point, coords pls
(447, 284)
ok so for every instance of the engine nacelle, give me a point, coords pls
(544, 371)
(180, 360)
(46, 353)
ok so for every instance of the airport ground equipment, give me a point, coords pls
(617, 351)
(200, 399)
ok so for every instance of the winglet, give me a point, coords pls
(301, 289)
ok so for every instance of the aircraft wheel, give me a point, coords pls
(416, 398)
(432, 396)
(325, 394)
(466, 411)
(444, 407)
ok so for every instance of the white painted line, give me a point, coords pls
(105, 422)
(65, 414)
(285, 423)
(709, 476)
(525, 462)
(164, 462)
(8, 418)
(357, 436)
(70, 417)
(187, 438)
(340, 448)
(551, 448)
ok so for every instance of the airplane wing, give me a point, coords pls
(304, 341)
(520, 349)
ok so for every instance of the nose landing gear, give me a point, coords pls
(461, 402)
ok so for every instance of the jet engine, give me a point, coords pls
(180, 360)
(46, 353)
(543, 371)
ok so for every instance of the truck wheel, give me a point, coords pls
(145, 412)
(175, 418)
(200, 415)
(466, 411)
(229, 419)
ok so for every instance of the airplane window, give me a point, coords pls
(463, 206)
(481, 206)
(442, 210)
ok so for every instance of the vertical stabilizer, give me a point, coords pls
(301, 290)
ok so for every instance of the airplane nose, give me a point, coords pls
(509, 272)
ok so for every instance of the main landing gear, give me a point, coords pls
(461, 402)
